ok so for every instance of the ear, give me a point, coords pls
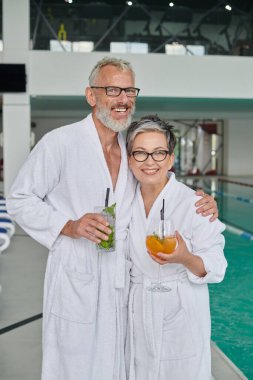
(130, 161)
(171, 160)
(90, 97)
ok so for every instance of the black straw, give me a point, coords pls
(107, 196)
(162, 210)
(162, 218)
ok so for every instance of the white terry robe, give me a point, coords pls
(169, 333)
(85, 304)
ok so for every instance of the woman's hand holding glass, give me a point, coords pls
(180, 255)
(160, 237)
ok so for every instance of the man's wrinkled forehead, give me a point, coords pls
(109, 71)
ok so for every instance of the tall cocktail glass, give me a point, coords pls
(161, 238)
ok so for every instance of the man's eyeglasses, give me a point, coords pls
(157, 155)
(116, 91)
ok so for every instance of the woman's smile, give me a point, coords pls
(149, 171)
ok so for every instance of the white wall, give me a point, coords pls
(16, 106)
(238, 147)
(156, 74)
(47, 124)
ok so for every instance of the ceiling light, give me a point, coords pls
(228, 7)
(69, 1)
(129, 3)
(171, 4)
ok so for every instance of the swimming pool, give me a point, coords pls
(232, 305)
(232, 300)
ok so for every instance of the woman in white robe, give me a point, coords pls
(169, 333)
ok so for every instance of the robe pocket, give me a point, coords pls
(177, 342)
(75, 297)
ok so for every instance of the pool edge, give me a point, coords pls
(222, 367)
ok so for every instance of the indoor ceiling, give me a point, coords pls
(153, 22)
(243, 5)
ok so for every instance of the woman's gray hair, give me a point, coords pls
(150, 123)
(109, 61)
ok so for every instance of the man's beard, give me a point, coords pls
(103, 114)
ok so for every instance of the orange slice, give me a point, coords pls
(153, 244)
(169, 244)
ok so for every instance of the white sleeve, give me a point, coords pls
(27, 200)
(208, 242)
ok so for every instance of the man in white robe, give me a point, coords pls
(53, 199)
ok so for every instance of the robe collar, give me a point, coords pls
(167, 192)
(117, 194)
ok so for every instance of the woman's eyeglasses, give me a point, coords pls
(157, 155)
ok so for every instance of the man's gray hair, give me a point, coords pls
(109, 61)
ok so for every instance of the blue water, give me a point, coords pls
(232, 300)
(236, 212)
(232, 305)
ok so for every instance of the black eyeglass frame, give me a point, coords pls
(121, 89)
(150, 154)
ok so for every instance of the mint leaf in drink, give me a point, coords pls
(109, 213)
(107, 244)
(111, 239)
(104, 244)
(156, 236)
(111, 210)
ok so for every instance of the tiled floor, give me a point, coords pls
(22, 268)
(20, 353)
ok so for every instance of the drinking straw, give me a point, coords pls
(162, 218)
(107, 196)
(162, 210)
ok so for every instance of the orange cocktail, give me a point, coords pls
(154, 244)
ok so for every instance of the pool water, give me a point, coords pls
(235, 202)
(236, 212)
(232, 300)
(232, 305)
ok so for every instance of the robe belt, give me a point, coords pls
(147, 306)
(119, 280)
(141, 279)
